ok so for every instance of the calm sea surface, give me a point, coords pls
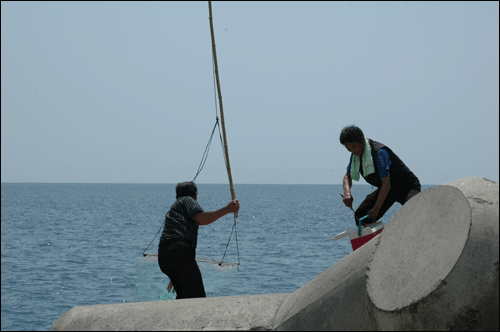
(66, 245)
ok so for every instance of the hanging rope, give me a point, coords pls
(237, 250)
(207, 148)
(202, 163)
(144, 252)
(200, 167)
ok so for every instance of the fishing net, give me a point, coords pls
(152, 284)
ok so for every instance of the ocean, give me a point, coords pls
(66, 245)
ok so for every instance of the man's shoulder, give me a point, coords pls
(181, 203)
(189, 204)
(383, 152)
(186, 199)
(380, 146)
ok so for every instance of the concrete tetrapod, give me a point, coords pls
(230, 313)
(335, 300)
(434, 267)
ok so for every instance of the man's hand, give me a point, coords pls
(347, 199)
(373, 213)
(233, 206)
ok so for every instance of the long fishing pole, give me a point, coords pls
(226, 152)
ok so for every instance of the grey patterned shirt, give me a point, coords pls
(179, 223)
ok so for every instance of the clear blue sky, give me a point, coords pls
(123, 92)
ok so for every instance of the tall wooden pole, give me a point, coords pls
(228, 165)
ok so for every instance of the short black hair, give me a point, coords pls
(186, 189)
(351, 134)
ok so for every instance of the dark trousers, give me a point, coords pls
(177, 260)
(395, 195)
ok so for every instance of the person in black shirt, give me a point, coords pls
(177, 247)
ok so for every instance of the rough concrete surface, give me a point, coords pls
(334, 300)
(244, 312)
(434, 267)
(462, 294)
(419, 248)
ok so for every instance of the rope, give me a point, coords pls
(200, 167)
(234, 224)
(237, 249)
(143, 253)
(202, 163)
(223, 150)
(207, 148)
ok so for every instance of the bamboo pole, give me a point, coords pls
(228, 165)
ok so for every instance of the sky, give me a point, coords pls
(123, 92)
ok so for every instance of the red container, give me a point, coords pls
(359, 241)
(367, 233)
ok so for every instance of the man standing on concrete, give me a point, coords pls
(381, 168)
(177, 248)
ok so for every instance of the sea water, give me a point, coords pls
(66, 245)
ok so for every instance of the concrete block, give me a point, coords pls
(436, 266)
(335, 300)
(243, 312)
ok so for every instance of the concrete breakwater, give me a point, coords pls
(434, 267)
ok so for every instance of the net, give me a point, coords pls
(152, 257)
(152, 284)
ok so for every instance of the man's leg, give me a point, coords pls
(181, 267)
(412, 193)
(369, 203)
